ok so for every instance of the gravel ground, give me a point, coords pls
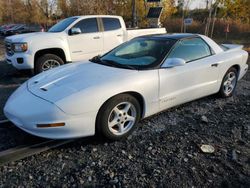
(164, 151)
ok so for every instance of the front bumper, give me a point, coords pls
(27, 60)
(26, 110)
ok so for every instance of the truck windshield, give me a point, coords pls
(138, 53)
(62, 25)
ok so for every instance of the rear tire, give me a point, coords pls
(229, 83)
(46, 62)
(118, 117)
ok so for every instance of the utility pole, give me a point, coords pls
(181, 6)
(182, 19)
(10, 4)
(214, 18)
(134, 19)
(77, 4)
(207, 2)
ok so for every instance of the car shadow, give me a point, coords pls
(10, 80)
(11, 136)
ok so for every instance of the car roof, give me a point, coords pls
(175, 36)
(96, 16)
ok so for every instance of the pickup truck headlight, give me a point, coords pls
(20, 47)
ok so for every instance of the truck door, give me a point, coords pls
(113, 33)
(88, 42)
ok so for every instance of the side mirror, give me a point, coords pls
(96, 58)
(75, 31)
(173, 62)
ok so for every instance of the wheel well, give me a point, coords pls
(138, 96)
(237, 67)
(140, 99)
(56, 51)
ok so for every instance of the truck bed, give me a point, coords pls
(132, 33)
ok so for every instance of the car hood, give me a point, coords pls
(55, 84)
(30, 37)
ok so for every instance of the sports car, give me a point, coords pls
(109, 94)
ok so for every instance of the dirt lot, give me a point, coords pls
(163, 152)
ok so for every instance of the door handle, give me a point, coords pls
(96, 37)
(215, 65)
(119, 35)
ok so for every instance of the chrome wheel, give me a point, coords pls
(50, 64)
(122, 118)
(229, 83)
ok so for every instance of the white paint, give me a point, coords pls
(75, 92)
(76, 47)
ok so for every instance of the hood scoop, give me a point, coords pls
(58, 83)
(51, 84)
(44, 89)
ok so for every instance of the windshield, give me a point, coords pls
(139, 53)
(62, 25)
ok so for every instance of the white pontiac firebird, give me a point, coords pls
(111, 93)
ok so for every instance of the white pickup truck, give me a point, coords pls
(72, 39)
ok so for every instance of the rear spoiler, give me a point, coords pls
(232, 46)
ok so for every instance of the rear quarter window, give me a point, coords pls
(110, 24)
(190, 50)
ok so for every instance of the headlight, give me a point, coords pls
(20, 47)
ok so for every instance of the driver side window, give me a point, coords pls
(190, 50)
(136, 47)
(87, 25)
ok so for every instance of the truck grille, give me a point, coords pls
(8, 48)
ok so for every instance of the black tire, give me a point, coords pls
(222, 92)
(40, 63)
(107, 110)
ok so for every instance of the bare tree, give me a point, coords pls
(209, 19)
(214, 17)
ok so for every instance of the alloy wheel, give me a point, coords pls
(50, 64)
(122, 118)
(229, 83)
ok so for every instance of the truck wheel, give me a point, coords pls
(118, 117)
(46, 62)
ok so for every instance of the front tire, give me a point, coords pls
(46, 62)
(229, 83)
(118, 117)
